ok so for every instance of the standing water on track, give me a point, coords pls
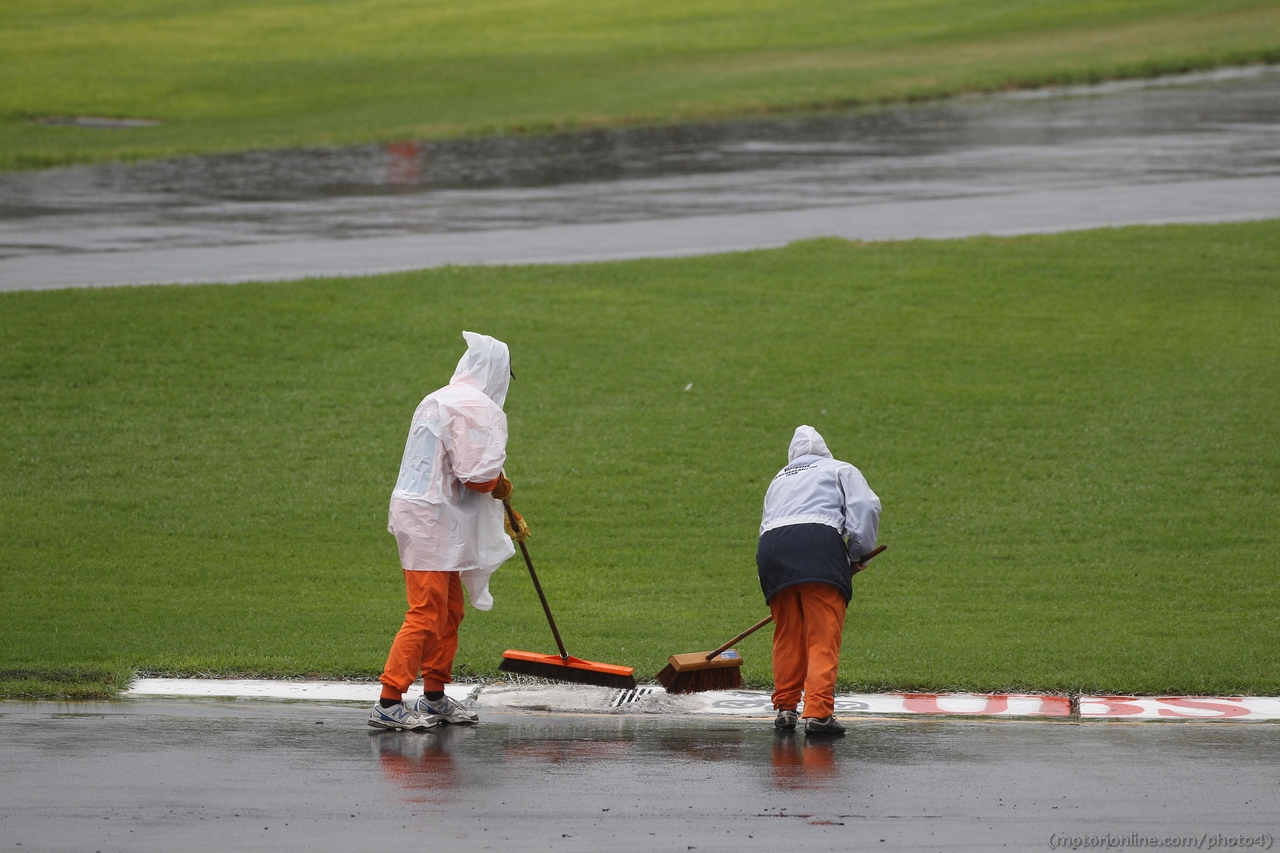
(1216, 125)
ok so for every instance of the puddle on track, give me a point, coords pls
(1217, 125)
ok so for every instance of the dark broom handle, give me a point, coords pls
(766, 620)
(528, 561)
(866, 557)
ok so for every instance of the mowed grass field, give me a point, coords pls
(231, 74)
(1074, 438)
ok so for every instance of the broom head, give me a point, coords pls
(570, 669)
(693, 673)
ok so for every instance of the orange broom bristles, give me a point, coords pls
(571, 669)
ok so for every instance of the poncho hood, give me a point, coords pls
(486, 366)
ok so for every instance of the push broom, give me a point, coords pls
(717, 670)
(560, 667)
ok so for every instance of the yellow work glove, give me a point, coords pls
(503, 490)
(521, 531)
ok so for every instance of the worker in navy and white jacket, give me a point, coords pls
(820, 519)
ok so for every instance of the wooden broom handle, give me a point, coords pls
(766, 620)
(528, 561)
(747, 633)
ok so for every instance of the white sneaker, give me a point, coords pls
(451, 710)
(399, 717)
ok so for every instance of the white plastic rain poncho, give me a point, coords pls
(816, 489)
(458, 435)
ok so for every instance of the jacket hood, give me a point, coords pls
(486, 367)
(807, 442)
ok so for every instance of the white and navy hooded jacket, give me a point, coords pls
(815, 489)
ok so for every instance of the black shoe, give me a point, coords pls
(824, 726)
(786, 720)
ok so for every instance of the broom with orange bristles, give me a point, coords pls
(722, 668)
(560, 667)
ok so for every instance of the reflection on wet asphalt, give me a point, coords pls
(164, 775)
(1224, 126)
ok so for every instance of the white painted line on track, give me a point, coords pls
(251, 688)
(557, 698)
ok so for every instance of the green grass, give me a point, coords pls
(233, 74)
(77, 683)
(1074, 438)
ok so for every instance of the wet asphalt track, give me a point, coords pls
(1200, 148)
(175, 775)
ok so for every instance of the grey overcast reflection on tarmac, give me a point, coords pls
(176, 775)
(1199, 148)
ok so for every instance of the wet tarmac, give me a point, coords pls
(1202, 147)
(253, 775)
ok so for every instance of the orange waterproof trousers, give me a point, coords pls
(428, 639)
(808, 625)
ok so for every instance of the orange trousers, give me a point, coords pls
(808, 625)
(428, 639)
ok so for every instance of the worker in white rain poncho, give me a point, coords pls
(450, 525)
(820, 520)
